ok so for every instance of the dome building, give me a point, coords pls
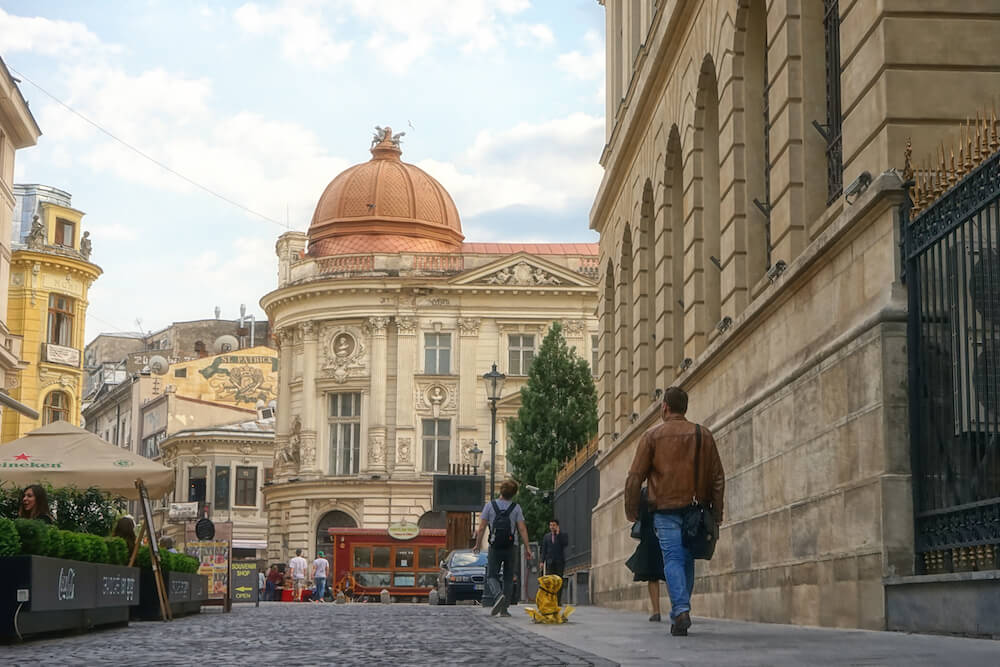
(386, 319)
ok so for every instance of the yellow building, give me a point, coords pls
(50, 276)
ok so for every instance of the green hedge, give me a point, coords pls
(37, 538)
(10, 540)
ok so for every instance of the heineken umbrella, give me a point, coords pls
(66, 455)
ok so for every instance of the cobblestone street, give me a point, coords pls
(310, 634)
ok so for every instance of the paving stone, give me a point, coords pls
(310, 634)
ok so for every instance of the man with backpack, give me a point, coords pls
(504, 517)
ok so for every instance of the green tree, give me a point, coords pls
(558, 416)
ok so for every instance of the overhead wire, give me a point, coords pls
(146, 156)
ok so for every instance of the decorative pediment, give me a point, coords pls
(522, 270)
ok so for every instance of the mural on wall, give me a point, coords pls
(237, 379)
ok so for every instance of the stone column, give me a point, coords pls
(307, 453)
(470, 392)
(283, 419)
(376, 422)
(406, 357)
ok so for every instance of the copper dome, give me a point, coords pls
(384, 197)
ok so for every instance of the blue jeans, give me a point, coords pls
(320, 588)
(269, 591)
(678, 564)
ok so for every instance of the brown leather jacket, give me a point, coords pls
(666, 458)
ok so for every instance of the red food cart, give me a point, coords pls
(407, 565)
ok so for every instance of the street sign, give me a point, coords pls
(244, 581)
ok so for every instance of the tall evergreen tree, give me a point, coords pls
(558, 416)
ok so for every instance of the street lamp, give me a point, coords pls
(476, 455)
(494, 386)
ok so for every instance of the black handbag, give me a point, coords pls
(700, 532)
(636, 533)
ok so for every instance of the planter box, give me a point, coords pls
(186, 593)
(54, 594)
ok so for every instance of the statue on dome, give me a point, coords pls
(36, 237)
(86, 245)
(384, 135)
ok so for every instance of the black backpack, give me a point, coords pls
(502, 531)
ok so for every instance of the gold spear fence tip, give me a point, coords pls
(978, 140)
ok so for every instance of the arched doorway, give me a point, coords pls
(432, 520)
(332, 519)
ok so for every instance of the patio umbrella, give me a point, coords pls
(66, 455)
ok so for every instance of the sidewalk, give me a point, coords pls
(629, 639)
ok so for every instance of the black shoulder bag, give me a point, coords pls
(700, 532)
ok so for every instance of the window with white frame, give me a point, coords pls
(150, 447)
(246, 486)
(437, 444)
(521, 352)
(344, 418)
(437, 353)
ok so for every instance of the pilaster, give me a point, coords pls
(406, 357)
(376, 327)
(310, 343)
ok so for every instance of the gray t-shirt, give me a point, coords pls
(516, 515)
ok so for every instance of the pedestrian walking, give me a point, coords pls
(274, 580)
(668, 457)
(297, 566)
(261, 583)
(320, 568)
(504, 517)
(646, 562)
(552, 553)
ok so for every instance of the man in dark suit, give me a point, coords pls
(553, 551)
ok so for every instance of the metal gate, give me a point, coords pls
(950, 241)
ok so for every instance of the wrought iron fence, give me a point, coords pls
(951, 250)
(575, 498)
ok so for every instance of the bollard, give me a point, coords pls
(340, 598)
(433, 597)
(384, 596)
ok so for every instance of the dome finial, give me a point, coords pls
(385, 144)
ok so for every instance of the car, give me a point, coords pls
(462, 576)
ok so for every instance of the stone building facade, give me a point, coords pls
(18, 129)
(386, 321)
(749, 254)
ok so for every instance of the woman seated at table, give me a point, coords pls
(34, 504)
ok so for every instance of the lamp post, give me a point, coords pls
(477, 456)
(494, 386)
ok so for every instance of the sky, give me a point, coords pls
(264, 103)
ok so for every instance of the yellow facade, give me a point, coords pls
(39, 272)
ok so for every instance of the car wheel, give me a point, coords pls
(450, 596)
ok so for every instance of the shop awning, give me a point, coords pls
(249, 544)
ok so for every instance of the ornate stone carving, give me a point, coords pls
(307, 450)
(407, 326)
(403, 453)
(376, 448)
(468, 444)
(468, 326)
(36, 237)
(343, 352)
(287, 453)
(522, 273)
(376, 325)
(285, 336)
(47, 378)
(574, 328)
(308, 329)
(437, 398)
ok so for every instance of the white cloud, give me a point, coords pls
(305, 40)
(585, 65)
(114, 231)
(48, 37)
(550, 165)
(264, 164)
(542, 33)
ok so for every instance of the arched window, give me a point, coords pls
(673, 241)
(433, 520)
(623, 336)
(708, 266)
(333, 519)
(645, 273)
(751, 49)
(55, 407)
(607, 358)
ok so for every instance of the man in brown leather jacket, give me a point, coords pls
(666, 458)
